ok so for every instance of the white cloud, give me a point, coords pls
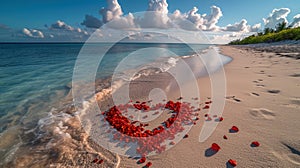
(277, 16)
(124, 22)
(32, 33)
(195, 18)
(255, 28)
(113, 11)
(61, 26)
(203, 22)
(238, 26)
(91, 22)
(156, 15)
(296, 21)
(226, 37)
(211, 20)
(160, 6)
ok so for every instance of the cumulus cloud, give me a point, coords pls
(156, 15)
(203, 22)
(124, 22)
(60, 25)
(91, 22)
(211, 20)
(238, 26)
(255, 28)
(277, 16)
(296, 21)
(160, 6)
(32, 33)
(113, 11)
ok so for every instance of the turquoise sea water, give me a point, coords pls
(35, 77)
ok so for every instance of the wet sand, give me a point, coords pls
(262, 100)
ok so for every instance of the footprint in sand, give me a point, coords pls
(294, 103)
(262, 113)
(255, 94)
(295, 75)
(233, 98)
(260, 85)
(273, 91)
(293, 154)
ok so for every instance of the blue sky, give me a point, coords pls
(37, 13)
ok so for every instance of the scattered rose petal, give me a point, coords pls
(225, 137)
(234, 129)
(206, 107)
(101, 161)
(215, 147)
(95, 160)
(221, 119)
(232, 162)
(255, 144)
(142, 160)
(149, 164)
(186, 136)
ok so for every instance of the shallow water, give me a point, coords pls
(35, 77)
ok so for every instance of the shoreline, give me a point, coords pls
(255, 96)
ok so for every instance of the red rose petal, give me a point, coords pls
(255, 144)
(225, 137)
(101, 161)
(232, 162)
(148, 164)
(186, 136)
(206, 107)
(221, 119)
(95, 160)
(215, 147)
(142, 160)
(234, 128)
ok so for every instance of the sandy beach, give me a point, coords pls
(266, 109)
(262, 100)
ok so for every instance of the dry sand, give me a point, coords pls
(266, 108)
(263, 101)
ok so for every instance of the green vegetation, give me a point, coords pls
(281, 33)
